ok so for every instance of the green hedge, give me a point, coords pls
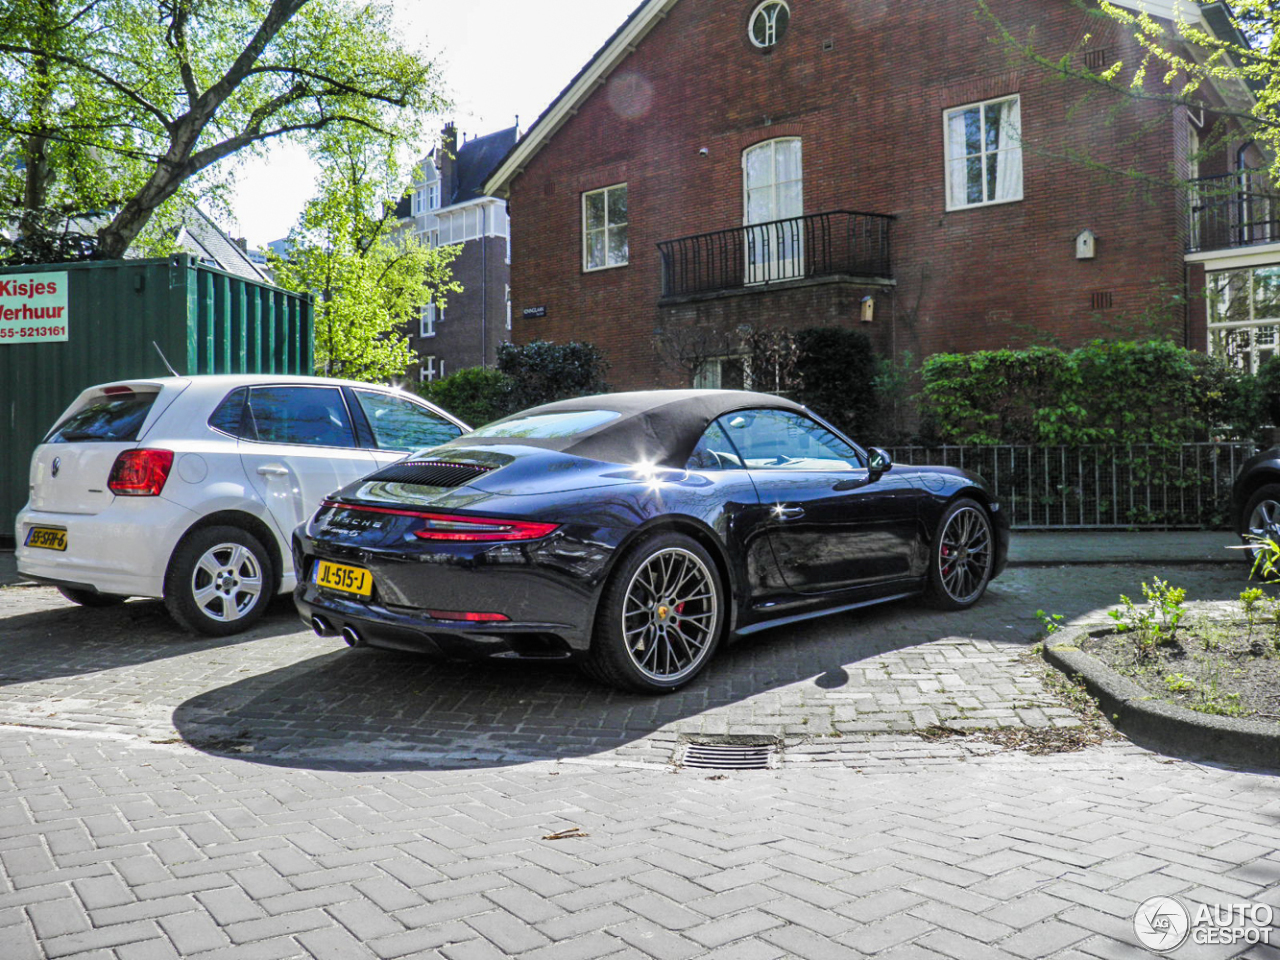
(1103, 392)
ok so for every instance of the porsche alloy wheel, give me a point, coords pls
(661, 616)
(963, 556)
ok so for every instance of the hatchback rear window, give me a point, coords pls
(112, 419)
(549, 426)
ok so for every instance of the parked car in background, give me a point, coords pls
(633, 532)
(1255, 500)
(188, 488)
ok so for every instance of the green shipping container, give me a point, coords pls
(106, 319)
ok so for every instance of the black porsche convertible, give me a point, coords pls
(634, 532)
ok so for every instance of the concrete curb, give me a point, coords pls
(1155, 724)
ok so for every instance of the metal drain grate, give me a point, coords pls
(729, 754)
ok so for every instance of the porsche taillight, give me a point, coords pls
(450, 527)
(446, 527)
(140, 473)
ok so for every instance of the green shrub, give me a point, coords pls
(1107, 391)
(474, 394)
(543, 371)
(835, 376)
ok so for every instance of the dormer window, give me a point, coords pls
(769, 23)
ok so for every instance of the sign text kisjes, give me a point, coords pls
(33, 308)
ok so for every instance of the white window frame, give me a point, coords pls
(508, 306)
(433, 195)
(427, 372)
(710, 373)
(427, 320)
(771, 29)
(586, 233)
(947, 158)
(1263, 332)
(778, 253)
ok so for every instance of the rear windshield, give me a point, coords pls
(549, 426)
(105, 420)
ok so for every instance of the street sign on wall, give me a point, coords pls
(33, 308)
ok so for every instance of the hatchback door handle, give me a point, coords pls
(272, 471)
(789, 513)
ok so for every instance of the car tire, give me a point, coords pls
(1261, 518)
(962, 555)
(220, 581)
(90, 598)
(661, 616)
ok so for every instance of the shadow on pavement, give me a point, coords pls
(64, 639)
(358, 709)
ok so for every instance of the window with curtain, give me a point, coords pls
(604, 228)
(984, 153)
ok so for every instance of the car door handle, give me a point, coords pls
(273, 471)
(789, 513)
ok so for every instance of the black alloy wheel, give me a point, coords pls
(1262, 520)
(661, 616)
(962, 557)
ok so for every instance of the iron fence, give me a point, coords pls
(1101, 486)
(837, 243)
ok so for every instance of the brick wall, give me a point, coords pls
(475, 321)
(869, 111)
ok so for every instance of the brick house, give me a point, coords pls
(728, 165)
(446, 206)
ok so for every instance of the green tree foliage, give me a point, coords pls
(543, 371)
(1177, 64)
(836, 378)
(370, 279)
(110, 108)
(473, 394)
(1103, 392)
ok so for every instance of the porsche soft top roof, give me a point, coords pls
(652, 426)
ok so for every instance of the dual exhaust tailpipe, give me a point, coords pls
(323, 628)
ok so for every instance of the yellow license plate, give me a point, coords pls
(47, 538)
(344, 579)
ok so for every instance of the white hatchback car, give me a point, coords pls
(188, 488)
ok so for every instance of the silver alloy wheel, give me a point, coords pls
(1264, 524)
(670, 615)
(226, 582)
(964, 554)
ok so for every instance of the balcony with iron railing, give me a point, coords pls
(840, 244)
(1238, 209)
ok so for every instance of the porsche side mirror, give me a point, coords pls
(880, 462)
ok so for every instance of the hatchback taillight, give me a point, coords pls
(140, 473)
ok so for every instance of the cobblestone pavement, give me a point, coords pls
(832, 687)
(279, 796)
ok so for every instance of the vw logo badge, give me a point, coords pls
(57, 465)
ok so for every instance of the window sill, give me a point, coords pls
(980, 206)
